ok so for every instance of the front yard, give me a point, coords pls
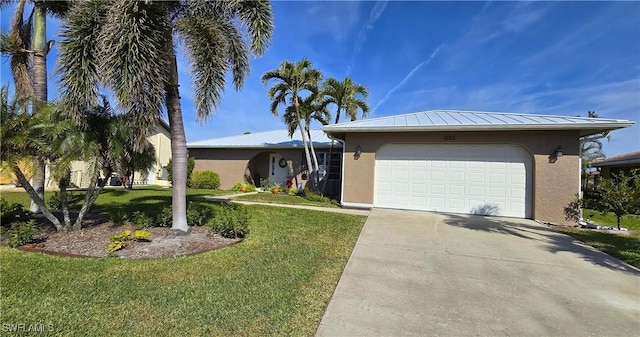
(278, 281)
(626, 247)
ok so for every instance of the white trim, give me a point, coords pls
(356, 205)
(456, 127)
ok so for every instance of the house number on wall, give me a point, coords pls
(449, 138)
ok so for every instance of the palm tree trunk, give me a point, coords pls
(34, 196)
(96, 185)
(178, 153)
(39, 88)
(316, 169)
(64, 205)
(296, 105)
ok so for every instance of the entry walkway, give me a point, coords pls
(426, 274)
(315, 208)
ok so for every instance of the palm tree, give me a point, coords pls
(27, 45)
(345, 96)
(292, 80)
(311, 108)
(128, 46)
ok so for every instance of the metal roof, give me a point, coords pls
(449, 120)
(632, 158)
(266, 139)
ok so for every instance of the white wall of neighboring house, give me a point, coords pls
(158, 175)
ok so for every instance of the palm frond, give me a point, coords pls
(17, 43)
(79, 58)
(134, 44)
(258, 17)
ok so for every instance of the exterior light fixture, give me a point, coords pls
(558, 152)
(358, 151)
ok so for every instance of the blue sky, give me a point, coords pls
(558, 58)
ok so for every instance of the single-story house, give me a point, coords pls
(268, 156)
(621, 163)
(160, 138)
(504, 164)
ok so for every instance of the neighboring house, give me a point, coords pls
(514, 165)
(621, 163)
(270, 155)
(160, 138)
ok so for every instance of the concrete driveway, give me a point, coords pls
(427, 274)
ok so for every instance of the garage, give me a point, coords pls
(486, 179)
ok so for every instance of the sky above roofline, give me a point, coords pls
(556, 58)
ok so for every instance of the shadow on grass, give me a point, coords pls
(554, 241)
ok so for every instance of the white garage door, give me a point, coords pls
(470, 179)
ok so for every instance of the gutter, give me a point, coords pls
(341, 165)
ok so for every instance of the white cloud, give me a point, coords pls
(374, 15)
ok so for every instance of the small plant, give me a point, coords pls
(267, 184)
(21, 233)
(231, 221)
(293, 191)
(141, 220)
(10, 213)
(124, 239)
(275, 189)
(244, 187)
(165, 217)
(118, 217)
(205, 180)
(198, 214)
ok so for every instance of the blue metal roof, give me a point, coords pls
(448, 120)
(266, 139)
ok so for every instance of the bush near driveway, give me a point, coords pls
(277, 282)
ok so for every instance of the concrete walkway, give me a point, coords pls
(315, 208)
(426, 274)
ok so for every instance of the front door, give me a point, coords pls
(278, 169)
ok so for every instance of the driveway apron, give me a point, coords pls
(428, 274)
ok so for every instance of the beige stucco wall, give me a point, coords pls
(232, 164)
(555, 184)
(161, 140)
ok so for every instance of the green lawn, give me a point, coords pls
(631, 222)
(624, 247)
(142, 198)
(276, 282)
(283, 199)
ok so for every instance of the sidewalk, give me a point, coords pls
(230, 197)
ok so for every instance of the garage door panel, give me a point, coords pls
(476, 179)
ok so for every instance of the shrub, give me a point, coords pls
(191, 163)
(10, 213)
(198, 214)
(141, 220)
(293, 191)
(21, 233)
(244, 187)
(318, 198)
(165, 217)
(205, 180)
(73, 199)
(122, 240)
(118, 217)
(231, 221)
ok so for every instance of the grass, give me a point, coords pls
(631, 222)
(283, 199)
(146, 198)
(278, 281)
(624, 247)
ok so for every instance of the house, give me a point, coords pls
(503, 164)
(621, 163)
(269, 155)
(160, 138)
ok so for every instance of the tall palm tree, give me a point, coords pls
(27, 45)
(128, 46)
(292, 80)
(311, 109)
(591, 149)
(344, 95)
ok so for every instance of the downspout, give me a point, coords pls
(341, 165)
